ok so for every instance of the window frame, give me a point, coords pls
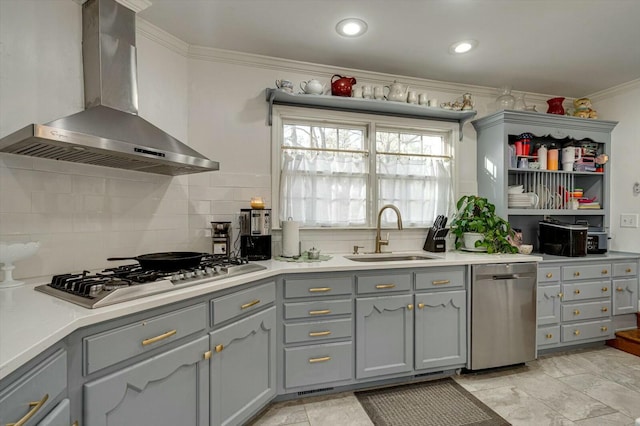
(370, 122)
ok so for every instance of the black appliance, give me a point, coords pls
(597, 241)
(221, 239)
(128, 282)
(563, 239)
(255, 234)
(435, 241)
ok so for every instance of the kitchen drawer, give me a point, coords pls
(44, 383)
(438, 278)
(318, 330)
(112, 346)
(61, 415)
(626, 269)
(586, 290)
(582, 272)
(548, 335)
(587, 330)
(546, 275)
(383, 283)
(317, 308)
(236, 304)
(587, 310)
(315, 287)
(317, 364)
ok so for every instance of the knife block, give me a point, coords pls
(435, 241)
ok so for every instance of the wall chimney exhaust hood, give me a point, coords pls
(109, 131)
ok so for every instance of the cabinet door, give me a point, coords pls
(549, 301)
(171, 388)
(625, 296)
(384, 335)
(243, 368)
(440, 329)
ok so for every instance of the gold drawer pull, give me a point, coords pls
(420, 305)
(219, 348)
(549, 336)
(319, 289)
(250, 304)
(440, 282)
(605, 289)
(576, 274)
(603, 328)
(604, 309)
(320, 312)
(628, 270)
(409, 307)
(35, 407)
(576, 312)
(319, 333)
(605, 272)
(381, 286)
(576, 291)
(158, 338)
(619, 289)
(577, 332)
(323, 359)
(549, 275)
(560, 295)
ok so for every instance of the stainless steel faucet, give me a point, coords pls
(379, 241)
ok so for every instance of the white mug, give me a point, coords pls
(378, 92)
(412, 98)
(533, 199)
(356, 92)
(433, 102)
(570, 154)
(367, 91)
(422, 99)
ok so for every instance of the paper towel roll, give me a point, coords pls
(290, 238)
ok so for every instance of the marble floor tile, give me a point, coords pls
(613, 394)
(615, 419)
(519, 408)
(496, 378)
(282, 414)
(345, 411)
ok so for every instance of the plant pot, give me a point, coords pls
(469, 239)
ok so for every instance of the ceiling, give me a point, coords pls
(570, 48)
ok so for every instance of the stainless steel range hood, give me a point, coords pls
(109, 131)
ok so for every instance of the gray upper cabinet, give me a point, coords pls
(243, 368)
(384, 335)
(171, 388)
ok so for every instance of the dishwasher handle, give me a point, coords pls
(506, 277)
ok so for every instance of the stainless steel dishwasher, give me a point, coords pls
(503, 314)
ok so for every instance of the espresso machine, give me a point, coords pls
(255, 234)
(221, 236)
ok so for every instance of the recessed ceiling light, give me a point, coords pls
(462, 46)
(351, 27)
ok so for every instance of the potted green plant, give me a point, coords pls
(476, 215)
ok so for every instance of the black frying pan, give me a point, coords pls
(169, 261)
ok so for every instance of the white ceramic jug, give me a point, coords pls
(312, 87)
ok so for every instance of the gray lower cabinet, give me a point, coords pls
(59, 416)
(549, 301)
(243, 368)
(625, 296)
(440, 324)
(384, 335)
(171, 388)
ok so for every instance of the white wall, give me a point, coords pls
(213, 100)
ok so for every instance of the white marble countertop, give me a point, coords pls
(31, 321)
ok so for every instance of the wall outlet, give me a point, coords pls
(629, 220)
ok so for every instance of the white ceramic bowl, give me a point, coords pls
(10, 253)
(516, 189)
(525, 249)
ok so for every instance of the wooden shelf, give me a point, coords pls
(372, 106)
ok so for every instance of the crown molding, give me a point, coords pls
(135, 5)
(160, 36)
(611, 92)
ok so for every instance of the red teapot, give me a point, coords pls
(342, 86)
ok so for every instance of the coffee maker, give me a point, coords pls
(255, 234)
(221, 239)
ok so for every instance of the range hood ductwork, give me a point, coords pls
(109, 131)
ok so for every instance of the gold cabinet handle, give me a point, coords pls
(549, 275)
(628, 270)
(319, 333)
(420, 305)
(549, 336)
(604, 309)
(576, 332)
(207, 355)
(35, 407)
(158, 338)
(576, 291)
(619, 289)
(219, 348)
(605, 289)
(440, 282)
(560, 295)
(319, 289)
(320, 312)
(576, 312)
(603, 328)
(381, 286)
(322, 359)
(409, 307)
(576, 274)
(250, 304)
(605, 272)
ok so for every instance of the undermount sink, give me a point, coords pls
(389, 257)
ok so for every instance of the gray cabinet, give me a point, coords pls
(59, 416)
(171, 388)
(549, 298)
(243, 367)
(384, 335)
(625, 288)
(440, 324)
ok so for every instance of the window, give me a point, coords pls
(338, 170)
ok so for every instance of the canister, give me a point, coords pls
(552, 158)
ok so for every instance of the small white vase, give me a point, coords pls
(470, 238)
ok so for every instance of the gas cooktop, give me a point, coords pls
(128, 282)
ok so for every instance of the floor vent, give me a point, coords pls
(314, 391)
(428, 374)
